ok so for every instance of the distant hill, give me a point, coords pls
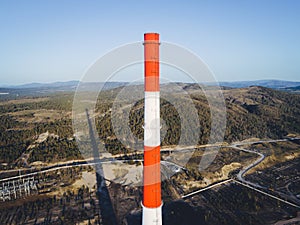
(45, 89)
(67, 85)
(71, 85)
(276, 84)
(251, 112)
(47, 85)
(261, 112)
(293, 89)
(258, 112)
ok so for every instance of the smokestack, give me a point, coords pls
(152, 204)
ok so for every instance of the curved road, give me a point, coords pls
(240, 175)
(247, 168)
(242, 172)
(254, 186)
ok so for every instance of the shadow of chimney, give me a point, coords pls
(106, 208)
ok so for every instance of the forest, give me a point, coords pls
(251, 112)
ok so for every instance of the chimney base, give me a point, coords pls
(152, 216)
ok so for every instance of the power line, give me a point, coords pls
(265, 193)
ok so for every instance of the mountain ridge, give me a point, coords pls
(272, 83)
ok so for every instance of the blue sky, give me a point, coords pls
(57, 40)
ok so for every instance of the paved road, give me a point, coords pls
(91, 162)
(254, 186)
(241, 174)
(79, 163)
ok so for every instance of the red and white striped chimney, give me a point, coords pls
(152, 203)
